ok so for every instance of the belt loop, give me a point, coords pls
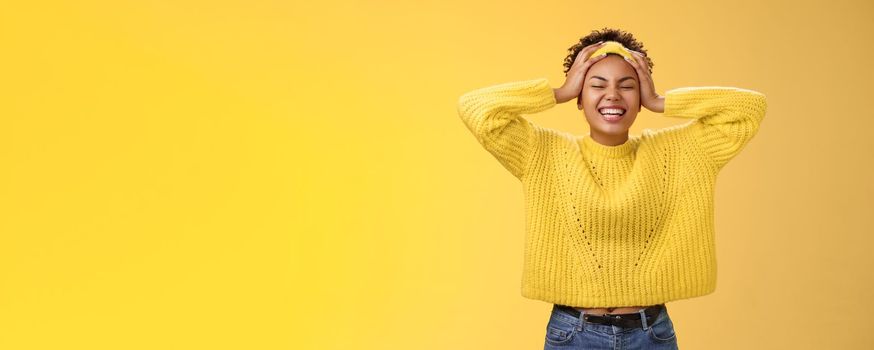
(582, 320)
(643, 318)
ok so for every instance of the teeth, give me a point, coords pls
(614, 111)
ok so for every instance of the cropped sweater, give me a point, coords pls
(624, 225)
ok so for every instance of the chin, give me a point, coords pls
(611, 128)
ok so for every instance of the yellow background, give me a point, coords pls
(293, 175)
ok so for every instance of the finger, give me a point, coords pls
(594, 59)
(634, 58)
(641, 60)
(587, 51)
(582, 72)
(639, 57)
(581, 69)
(597, 44)
(592, 48)
(633, 62)
(586, 65)
(641, 74)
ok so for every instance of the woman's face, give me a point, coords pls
(611, 82)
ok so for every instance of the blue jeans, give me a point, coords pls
(566, 331)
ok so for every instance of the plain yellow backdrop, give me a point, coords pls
(293, 175)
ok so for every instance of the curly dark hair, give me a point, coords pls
(605, 34)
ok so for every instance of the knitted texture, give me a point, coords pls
(613, 47)
(625, 225)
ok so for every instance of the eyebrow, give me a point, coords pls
(620, 80)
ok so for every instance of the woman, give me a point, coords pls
(616, 225)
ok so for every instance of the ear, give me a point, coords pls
(580, 101)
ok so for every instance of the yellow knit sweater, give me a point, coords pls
(610, 226)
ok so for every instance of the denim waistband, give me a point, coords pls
(575, 317)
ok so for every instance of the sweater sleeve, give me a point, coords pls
(494, 115)
(726, 118)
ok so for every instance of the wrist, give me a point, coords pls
(659, 104)
(560, 95)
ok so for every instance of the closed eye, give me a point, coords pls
(624, 87)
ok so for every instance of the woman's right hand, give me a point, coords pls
(573, 84)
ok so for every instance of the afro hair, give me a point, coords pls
(605, 34)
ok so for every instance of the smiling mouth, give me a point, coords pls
(611, 115)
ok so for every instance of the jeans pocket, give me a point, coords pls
(559, 332)
(662, 331)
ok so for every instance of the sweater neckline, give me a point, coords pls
(617, 151)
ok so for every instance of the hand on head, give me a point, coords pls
(648, 97)
(573, 84)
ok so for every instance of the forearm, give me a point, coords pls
(726, 117)
(716, 105)
(495, 116)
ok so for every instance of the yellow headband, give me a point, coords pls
(613, 47)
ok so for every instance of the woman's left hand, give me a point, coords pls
(648, 96)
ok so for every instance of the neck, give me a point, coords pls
(609, 140)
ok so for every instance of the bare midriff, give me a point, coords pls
(611, 310)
